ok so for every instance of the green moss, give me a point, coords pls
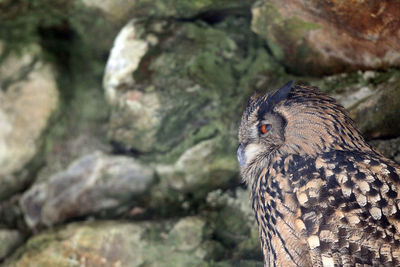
(186, 8)
(285, 36)
(21, 19)
(201, 76)
(297, 28)
(385, 122)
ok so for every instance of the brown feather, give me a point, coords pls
(321, 195)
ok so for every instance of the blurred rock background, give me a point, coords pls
(118, 119)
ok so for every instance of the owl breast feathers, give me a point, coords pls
(321, 195)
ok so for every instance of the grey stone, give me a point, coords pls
(91, 184)
(9, 241)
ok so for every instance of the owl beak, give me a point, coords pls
(240, 155)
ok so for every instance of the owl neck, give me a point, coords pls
(275, 209)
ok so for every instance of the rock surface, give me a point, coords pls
(92, 184)
(117, 244)
(371, 99)
(188, 9)
(28, 97)
(314, 38)
(389, 148)
(9, 241)
(220, 237)
(187, 182)
(163, 188)
(167, 81)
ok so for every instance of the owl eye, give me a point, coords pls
(264, 128)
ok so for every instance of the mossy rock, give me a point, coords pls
(320, 38)
(199, 77)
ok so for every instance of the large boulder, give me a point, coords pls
(322, 37)
(171, 85)
(112, 243)
(92, 184)
(224, 234)
(28, 98)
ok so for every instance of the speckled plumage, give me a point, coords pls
(321, 195)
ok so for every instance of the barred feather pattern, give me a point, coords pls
(322, 197)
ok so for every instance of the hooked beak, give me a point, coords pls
(240, 155)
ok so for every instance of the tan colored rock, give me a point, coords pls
(110, 243)
(132, 107)
(321, 37)
(28, 97)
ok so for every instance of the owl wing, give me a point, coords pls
(349, 203)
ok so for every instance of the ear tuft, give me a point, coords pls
(282, 93)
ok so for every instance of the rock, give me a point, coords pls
(124, 10)
(199, 170)
(91, 184)
(162, 86)
(316, 38)
(188, 9)
(28, 97)
(140, 109)
(112, 243)
(117, 11)
(109, 16)
(9, 241)
(372, 99)
(187, 234)
(234, 223)
(389, 148)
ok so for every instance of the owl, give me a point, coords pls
(321, 195)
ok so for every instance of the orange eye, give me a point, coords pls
(264, 128)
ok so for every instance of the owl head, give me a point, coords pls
(298, 120)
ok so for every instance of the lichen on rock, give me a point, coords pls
(113, 243)
(142, 171)
(28, 98)
(182, 84)
(316, 38)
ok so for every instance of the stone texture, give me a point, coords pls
(314, 37)
(117, 11)
(28, 97)
(389, 148)
(198, 171)
(372, 99)
(124, 59)
(9, 241)
(176, 82)
(108, 16)
(162, 85)
(188, 9)
(91, 184)
(116, 244)
(234, 224)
